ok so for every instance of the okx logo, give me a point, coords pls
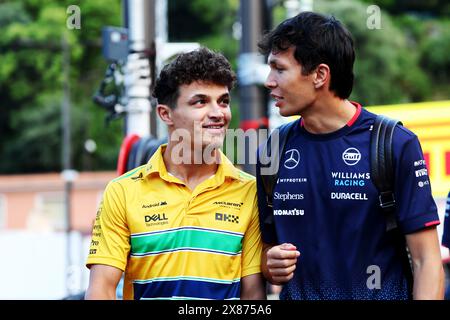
(227, 217)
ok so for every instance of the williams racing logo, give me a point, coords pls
(227, 217)
(156, 219)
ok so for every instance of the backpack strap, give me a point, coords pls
(269, 180)
(382, 175)
(382, 166)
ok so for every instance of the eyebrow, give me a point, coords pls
(206, 97)
(225, 95)
(199, 95)
(273, 62)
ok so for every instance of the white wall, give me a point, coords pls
(33, 265)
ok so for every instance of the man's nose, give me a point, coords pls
(269, 83)
(215, 111)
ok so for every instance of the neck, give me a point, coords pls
(188, 164)
(328, 115)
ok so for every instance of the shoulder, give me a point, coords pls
(404, 134)
(128, 179)
(401, 133)
(404, 139)
(246, 177)
(278, 133)
(246, 181)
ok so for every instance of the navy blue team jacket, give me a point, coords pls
(325, 204)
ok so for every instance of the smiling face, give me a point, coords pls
(203, 110)
(293, 91)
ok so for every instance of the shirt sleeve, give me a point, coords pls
(446, 233)
(266, 219)
(110, 243)
(252, 245)
(416, 208)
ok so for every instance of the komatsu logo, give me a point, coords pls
(292, 212)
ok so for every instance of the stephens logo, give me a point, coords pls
(288, 196)
(351, 156)
(227, 217)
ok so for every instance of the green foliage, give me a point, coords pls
(424, 8)
(387, 65)
(406, 60)
(31, 84)
(195, 19)
(213, 29)
(436, 51)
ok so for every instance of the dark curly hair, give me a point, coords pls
(199, 65)
(317, 39)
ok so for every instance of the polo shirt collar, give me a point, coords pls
(156, 165)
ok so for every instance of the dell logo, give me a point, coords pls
(156, 217)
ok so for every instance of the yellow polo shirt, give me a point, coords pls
(177, 243)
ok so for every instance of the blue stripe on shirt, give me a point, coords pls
(193, 289)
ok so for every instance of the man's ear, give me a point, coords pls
(165, 113)
(322, 76)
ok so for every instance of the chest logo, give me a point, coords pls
(155, 217)
(227, 217)
(351, 156)
(293, 159)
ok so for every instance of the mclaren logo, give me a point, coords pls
(227, 217)
(228, 205)
(138, 177)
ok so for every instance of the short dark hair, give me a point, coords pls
(317, 39)
(202, 64)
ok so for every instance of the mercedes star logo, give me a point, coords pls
(293, 159)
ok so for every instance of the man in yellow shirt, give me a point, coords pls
(185, 225)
